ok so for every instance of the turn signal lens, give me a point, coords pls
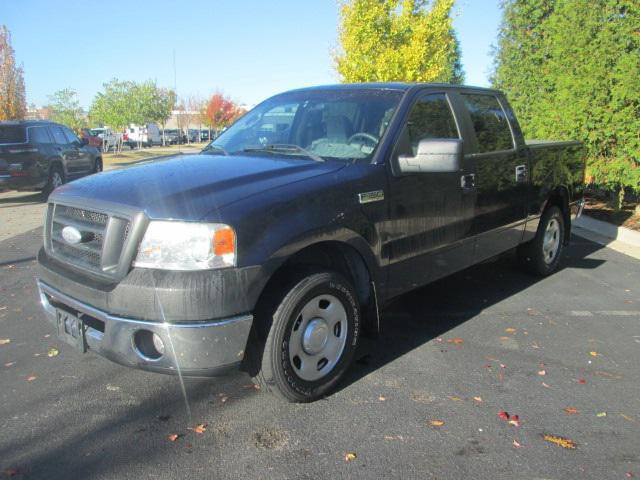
(224, 242)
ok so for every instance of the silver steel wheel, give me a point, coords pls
(551, 241)
(56, 180)
(318, 337)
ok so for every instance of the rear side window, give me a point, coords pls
(39, 135)
(58, 136)
(489, 122)
(431, 117)
(12, 134)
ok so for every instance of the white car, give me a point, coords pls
(144, 136)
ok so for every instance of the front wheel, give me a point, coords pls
(541, 255)
(97, 168)
(313, 336)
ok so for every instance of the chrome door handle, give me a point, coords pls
(521, 174)
(468, 181)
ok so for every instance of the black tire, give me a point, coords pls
(97, 166)
(56, 178)
(281, 374)
(541, 255)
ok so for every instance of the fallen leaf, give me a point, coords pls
(628, 475)
(594, 354)
(571, 410)
(545, 385)
(9, 364)
(582, 381)
(478, 399)
(52, 352)
(601, 414)
(517, 444)
(542, 372)
(503, 415)
(510, 330)
(436, 423)
(457, 341)
(560, 441)
(31, 378)
(349, 456)
(454, 398)
(4, 341)
(173, 437)
(112, 388)
(200, 428)
(514, 420)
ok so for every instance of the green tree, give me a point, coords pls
(13, 103)
(113, 106)
(582, 81)
(398, 40)
(64, 108)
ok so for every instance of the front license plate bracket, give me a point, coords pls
(71, 329)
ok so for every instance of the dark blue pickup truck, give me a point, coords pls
(274, 249)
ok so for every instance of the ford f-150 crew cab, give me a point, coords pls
(274, 249)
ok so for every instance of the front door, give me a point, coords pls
(429, 213)
(500, 177)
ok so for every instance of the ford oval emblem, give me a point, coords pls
(71, 235)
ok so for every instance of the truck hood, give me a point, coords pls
(192, 187)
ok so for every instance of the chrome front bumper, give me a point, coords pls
(198, 349)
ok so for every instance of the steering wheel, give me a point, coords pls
(364, 135)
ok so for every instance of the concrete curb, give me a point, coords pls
(608, 230)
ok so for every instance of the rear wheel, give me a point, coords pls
(97, 168)
(56, 179)
(313, 335)
(541, 255)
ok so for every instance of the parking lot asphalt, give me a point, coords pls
(422, 401)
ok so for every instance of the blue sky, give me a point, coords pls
(248, 49)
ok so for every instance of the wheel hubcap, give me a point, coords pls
(318, 337)
(56, 181)
(551, 241)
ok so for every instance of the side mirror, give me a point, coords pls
(433, 155)
(84, 141)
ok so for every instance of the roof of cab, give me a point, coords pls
(26, 123)
(402, 86)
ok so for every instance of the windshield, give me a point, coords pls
(341, 125)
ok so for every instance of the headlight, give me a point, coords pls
(187, 246)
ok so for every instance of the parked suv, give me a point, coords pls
(37, 155)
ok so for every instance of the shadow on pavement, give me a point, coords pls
(19, 200)
(429, 312)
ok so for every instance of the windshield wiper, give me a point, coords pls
(211, 148)
(286, 148)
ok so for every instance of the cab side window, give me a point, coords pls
(489, 122)
(58, 136)
(39, 135)
(430, 117)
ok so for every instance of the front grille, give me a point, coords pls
(91, 252)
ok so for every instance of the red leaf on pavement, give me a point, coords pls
(514, 420)
(503, 415)
(457, 341)
(571, 410)
(582, 381)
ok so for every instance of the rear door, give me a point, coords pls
(430, 213)
(500, 175)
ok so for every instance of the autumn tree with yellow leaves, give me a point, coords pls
(13, 104)
(398, 40)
